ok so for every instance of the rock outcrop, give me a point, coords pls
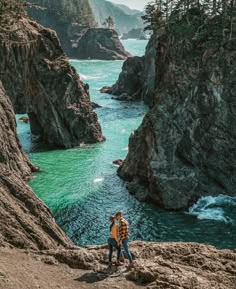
(25, 221)
(68, 18)
(167, 265)
(184, 149)
(100, 43)
(137, 33)
(137, 78)
(128, 86)
(40, 82)
(125, 18)
(74, 23)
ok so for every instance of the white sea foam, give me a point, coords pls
(125, 149)
(87, 77)
(98, 180)
(212, 208)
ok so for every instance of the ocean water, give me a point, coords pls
(82, 189)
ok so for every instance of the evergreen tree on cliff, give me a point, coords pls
(173, 15)
(109, 22)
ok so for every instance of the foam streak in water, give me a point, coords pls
(212, 208)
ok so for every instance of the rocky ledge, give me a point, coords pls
(167, 265)
(41, 82)
(184, 148)
(99, 43)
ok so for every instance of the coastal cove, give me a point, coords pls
(82, 189)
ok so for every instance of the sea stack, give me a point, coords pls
(185, 146)
(41, 82)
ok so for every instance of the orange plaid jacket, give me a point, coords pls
(123, 229)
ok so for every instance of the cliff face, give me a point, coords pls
(66, 17)
(25, 221)
(124, 17)
(100, 43)
(40, 81)
(184, 149)
(137, 78)
(73, 21)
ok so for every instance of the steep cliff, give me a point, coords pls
(74, 23)
(99, 43)
(25, 221)
(184, 149)
(40, 81)
(68, 18)
(124, 17)
(137, 78)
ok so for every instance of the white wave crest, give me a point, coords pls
(98, 180)
(212, 208)
(87, 77)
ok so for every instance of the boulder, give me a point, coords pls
(24, 119)
(118, 162)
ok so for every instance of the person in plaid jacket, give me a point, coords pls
(124, 236)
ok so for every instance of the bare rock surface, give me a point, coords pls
(164, 265)
(41, 82)
(137, 78)
(25, 222)
(184, 148)
(100, 43)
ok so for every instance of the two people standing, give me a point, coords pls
(119, 236)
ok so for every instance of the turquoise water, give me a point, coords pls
(82, 189)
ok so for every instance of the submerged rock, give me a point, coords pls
(24, 119)
(184, 148)
(100, 43)
(118, 162)
(40, 82)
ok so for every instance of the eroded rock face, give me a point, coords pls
(25, 221)
(137, 78)
(100, 43)
(184, 148)
(40, 81)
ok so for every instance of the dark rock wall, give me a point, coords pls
(25, 221)
(137, 78)
(185, 147)
(40, 81)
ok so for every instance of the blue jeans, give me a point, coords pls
(112, 243)
(125, 244)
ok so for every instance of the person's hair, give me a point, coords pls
(112, 219)
(119, 214)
